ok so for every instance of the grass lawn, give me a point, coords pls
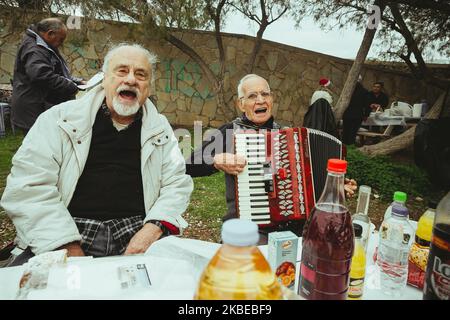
(8, 146)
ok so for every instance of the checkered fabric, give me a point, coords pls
(120, 230)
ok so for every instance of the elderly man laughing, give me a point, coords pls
(102, 175)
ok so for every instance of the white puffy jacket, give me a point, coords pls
(47, 166)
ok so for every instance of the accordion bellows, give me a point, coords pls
(285, 172)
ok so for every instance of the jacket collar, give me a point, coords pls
(245, 122)
(78, 120)
(41, 42)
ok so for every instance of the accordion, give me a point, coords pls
(285, 173)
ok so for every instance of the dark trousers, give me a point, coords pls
(350, 129)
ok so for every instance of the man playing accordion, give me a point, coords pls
(255, 102)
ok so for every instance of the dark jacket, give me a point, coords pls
(41, 80)
(320, 116)
(382, 99)
(200, 162)
(358, 108)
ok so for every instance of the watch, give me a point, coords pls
(164, 229)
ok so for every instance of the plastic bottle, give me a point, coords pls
(420, 249)
(399, 198)
(396, 237)
(437, 278)
(238, 271)
(361, 217)
(328, 241)
(358, 267)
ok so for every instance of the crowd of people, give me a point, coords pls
(103, 174)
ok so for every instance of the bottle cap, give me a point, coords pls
(400, 211)
(365, 189)
(358, 230)
(432, 204)
(400, 196)
(337, 165)
(240, 232)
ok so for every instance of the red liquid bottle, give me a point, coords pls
(328, 241)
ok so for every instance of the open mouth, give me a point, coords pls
(260, 110)
(127, 94)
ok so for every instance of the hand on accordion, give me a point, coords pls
(230, 163)
(350, 187)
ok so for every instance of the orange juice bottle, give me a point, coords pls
(238, 271)
(358, 267)
(418, 254)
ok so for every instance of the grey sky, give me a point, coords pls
(342, 43)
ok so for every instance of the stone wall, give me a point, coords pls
(183, 92)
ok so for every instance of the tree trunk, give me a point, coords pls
(350, 83)
(406, 139)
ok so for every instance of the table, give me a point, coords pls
(383, 119)
(173, 264)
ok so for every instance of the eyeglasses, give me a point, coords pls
(253, 96)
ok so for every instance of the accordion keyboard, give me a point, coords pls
(252, 196)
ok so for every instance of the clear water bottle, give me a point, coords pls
(396, 238)
(399, 198)
(238, 271)
(361, 217)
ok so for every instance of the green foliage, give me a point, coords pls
(385, 176)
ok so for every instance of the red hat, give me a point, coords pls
(324, 82)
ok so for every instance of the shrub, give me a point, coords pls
(385, 176)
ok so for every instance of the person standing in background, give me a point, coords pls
(357, 110)
(41, 76)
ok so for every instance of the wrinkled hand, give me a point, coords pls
(142, 240)
(350, 187)
(230, 163)
(73, 249)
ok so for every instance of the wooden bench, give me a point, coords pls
(369, 134)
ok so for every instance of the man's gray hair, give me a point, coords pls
(245, 78)
(48, 24)
(151, 57)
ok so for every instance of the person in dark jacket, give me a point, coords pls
(357, 110)
(320, 116)
(215, 154)
(41, 76)
(377, 99)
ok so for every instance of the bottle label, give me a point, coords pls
(356, 287)
(437, 284)
(307, 279)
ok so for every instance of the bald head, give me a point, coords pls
(48, 24)
(53, 31)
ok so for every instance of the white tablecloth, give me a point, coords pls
(174, 266)
(382, 119)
